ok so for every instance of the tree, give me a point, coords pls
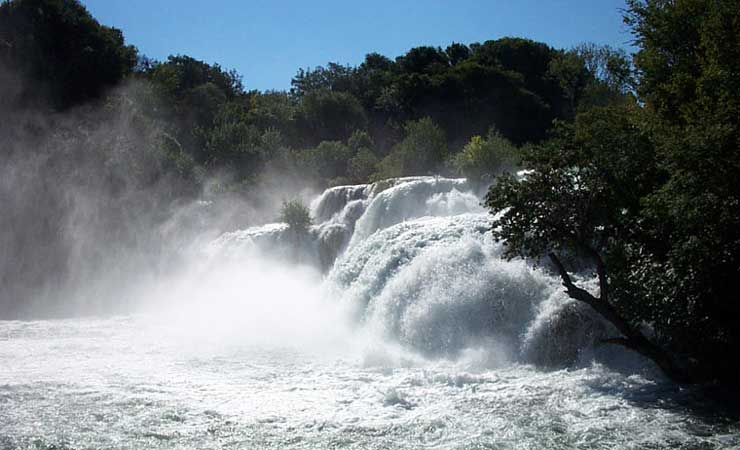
(360, 139)
(328, 159)
(231, 142)
(518, 85)
(482, 158)
(274, 110)
(608, 74)
(180, 74)
(327, 115)
(362, 166)
(421, 152)
(296, 215)
(569, 70)
(646, 192)
(609, 65)
(530, 59)
(60, 46)
(423, 60)
(334, 77)
(364, 162)
(581, 199)
(687, 68)
(457, 53)
(486, 95)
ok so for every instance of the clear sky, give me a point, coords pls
(266, 41)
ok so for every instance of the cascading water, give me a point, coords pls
(392, 323)
(417, 264)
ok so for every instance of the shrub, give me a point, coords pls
(482, 158)
(296, 215)
(362, 165)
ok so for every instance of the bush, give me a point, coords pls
(328, 159)
(362, 165)
(421, 152)
(389, 167)
(296, 215)
(482, 158)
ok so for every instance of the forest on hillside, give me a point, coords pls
(338, 124)
(632, 160)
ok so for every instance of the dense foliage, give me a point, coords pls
(296, 215)
(61, 48)
(647, 191)
(483, 158)
(417, 110)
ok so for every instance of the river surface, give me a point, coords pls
(132, 383)
(399, 327)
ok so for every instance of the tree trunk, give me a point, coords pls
(631, 337)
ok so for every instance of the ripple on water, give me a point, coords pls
(157, 397)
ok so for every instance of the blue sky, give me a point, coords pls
(267, 41)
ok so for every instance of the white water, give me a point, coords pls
(400, 327)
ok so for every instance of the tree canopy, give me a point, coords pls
(65, 54)
(645, 190)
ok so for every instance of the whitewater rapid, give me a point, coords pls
(415, 262)
(392, 323)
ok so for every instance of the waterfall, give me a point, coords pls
(394, 322)
(415, 261)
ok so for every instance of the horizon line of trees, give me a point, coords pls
(338, 124)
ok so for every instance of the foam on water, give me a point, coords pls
(393, 323)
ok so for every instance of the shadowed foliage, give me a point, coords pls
(646, 193)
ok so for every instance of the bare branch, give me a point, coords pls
(633, 338)
(601, 272)
(574, 291)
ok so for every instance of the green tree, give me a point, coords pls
(333, 77)
(296, 215)
(457, 53)
(364, 162)
(180, 74)
(609, 78)
(646, 192)
(327, 115)
(482, 158)
(231, 142)
(328, 160)
(274, 110)
(423, 60)
(687, 67)
(196, 100)
(609, 65)
(421, 152)
(569, 70)
(360, 139)
(424, 147)
(362, 166)
(529, 59)
(581, 198)
(58, 44)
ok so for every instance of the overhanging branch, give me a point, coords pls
(632, 338)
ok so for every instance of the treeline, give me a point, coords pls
(411, 115)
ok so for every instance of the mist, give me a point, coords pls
(91, 208)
